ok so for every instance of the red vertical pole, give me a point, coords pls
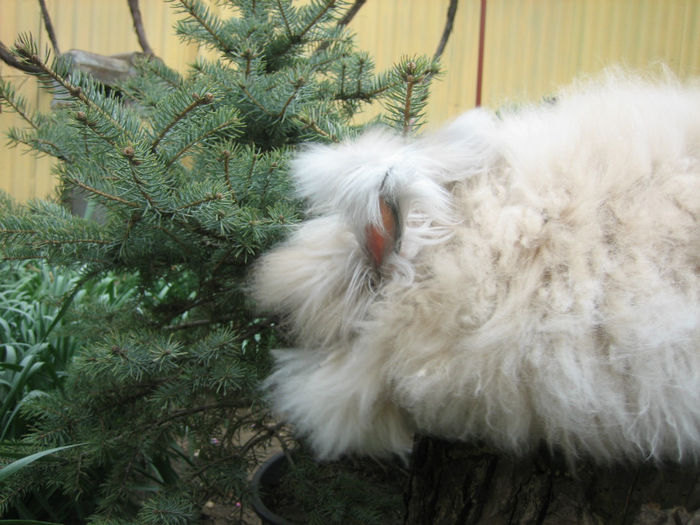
(480, 64)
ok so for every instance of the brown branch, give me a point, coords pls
(49, 27)
(198, 101)
(284, 19)
(59, 242)
(95, 191)
(209, 198)
(449, 23)
(199, 139)
(312, 23)
(18, 232)
(227, 159)
(138, 26)
(190, 9)
(25, 116)
(311, 124)
(73, 91)
(10, 59)
(347, 18)
(351, 12)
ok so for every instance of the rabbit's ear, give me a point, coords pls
(341, 178)
(355, 180)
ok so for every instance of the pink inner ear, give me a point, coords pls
(380, 240)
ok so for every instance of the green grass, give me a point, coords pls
(37, 340)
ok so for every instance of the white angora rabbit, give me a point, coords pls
(518, 277)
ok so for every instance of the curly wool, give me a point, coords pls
(546, 287)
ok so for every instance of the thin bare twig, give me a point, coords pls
(138, 26)
(449, 24)
(351, 12)
(49, 27)
(347, 18)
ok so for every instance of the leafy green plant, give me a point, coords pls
(33, 353)
(38, 326)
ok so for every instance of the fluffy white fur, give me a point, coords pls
(546, 288)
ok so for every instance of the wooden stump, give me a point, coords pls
(458, 483)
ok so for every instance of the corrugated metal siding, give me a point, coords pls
(532, 46)
(99, 26)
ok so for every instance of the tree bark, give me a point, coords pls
(459, 483)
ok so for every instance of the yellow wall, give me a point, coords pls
(99, 26)
(531, 47)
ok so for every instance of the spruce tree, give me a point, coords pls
(190, 174)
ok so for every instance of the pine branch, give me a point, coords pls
(244, 89)
(199, 202)
(287, 26)
(185, 412)
(199, 14)
(26, 49)
(10, 59)
(15, 102)
(61, 242)
(226, 155)
(330, 4)
(197, 102)
(129, 153)
(313, 125)
(410, 80)
(219, 121)
(410, 83)
(408, 94)
(102, 194)
(297, 87)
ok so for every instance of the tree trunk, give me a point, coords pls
(458, 483)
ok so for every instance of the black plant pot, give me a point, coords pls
(266, 477)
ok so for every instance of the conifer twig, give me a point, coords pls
(59, 242)
(137, 180)
(196, 141)
(284, 19)
(14, 104)
(329, 5)
(17, 232)
(198, 101)
(410, 82)
(10, 59)
(74, 91)
(189, 7)
(208, 198)
(347, 18)
(312, 124)
(297, 86)
(227, 160)
(45, 142)
(95, 191)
